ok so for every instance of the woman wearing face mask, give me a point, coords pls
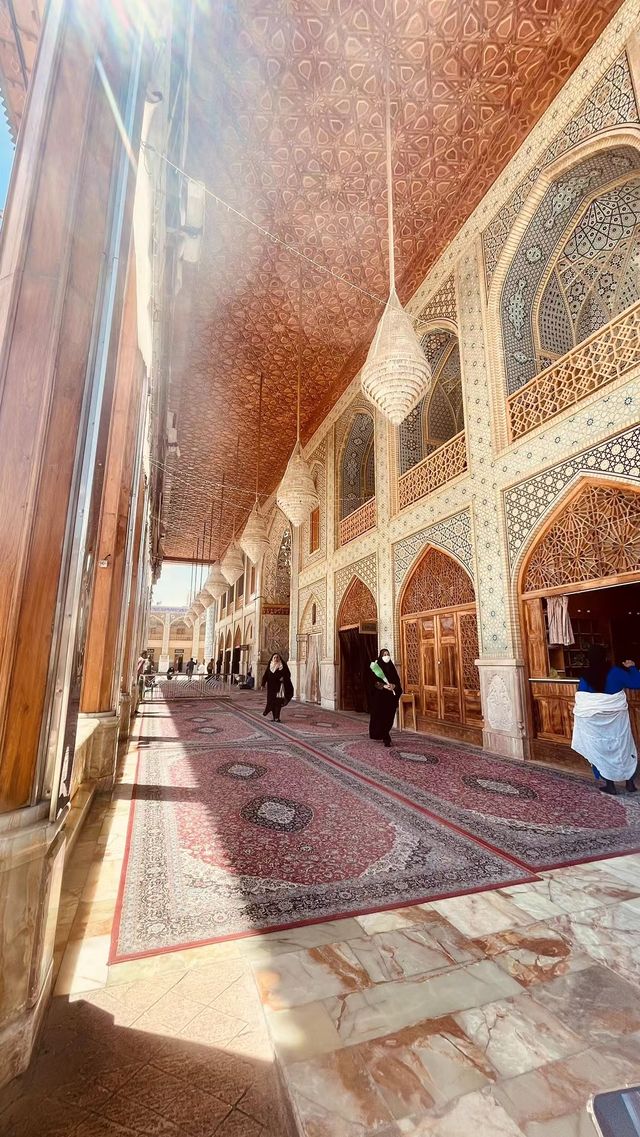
(385, 693)
(277, 680)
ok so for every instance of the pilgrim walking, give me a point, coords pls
(601, 724)
(385, 690)
(277, 680)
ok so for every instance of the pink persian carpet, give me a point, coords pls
(235, 829)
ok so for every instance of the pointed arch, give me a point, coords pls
(358, 605)
(356, 464)
(439, 416)
(529, 305)
(590, 539)
(311, 609)
(439, 645)
(436, 580)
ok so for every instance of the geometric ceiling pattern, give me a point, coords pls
(286, 123)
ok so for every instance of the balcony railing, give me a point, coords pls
(605, 356)
(358, 522)
(439, 467)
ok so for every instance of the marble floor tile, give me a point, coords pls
(571, 1125)
(103, 881)
(518, 1034)
(563, 1088)
(336, 1095)
(533, 898)
(403, 953)
(425, 1065)
(609, 935)
(306, 976)
(594, 1003)
(625, 868)
(482, 913)
(302, 1032)
(389, 1007)
(264, 947)
(477, 1114)
(534, 954)
(596, 883)
(84, 965)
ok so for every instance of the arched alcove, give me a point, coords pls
(439, 646)
(357, 483)
(439, 416)
(357, 644)
(579, 585)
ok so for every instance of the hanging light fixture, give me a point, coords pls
(297, 496)
(216, 584)
(396, 374)
(255, 539)
(232, 563)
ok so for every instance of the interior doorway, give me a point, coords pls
(584, 564)
(357, 645)
(440, 646)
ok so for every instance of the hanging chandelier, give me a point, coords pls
(297, 496)
(216, 584)
(255, 538)
(232, 563)
(396, 374)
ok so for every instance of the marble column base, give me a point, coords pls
(502, 696)
(328, 684)
(124, 727)
(32, 851)
(99, 734)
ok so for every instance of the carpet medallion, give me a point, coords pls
(541, 817)
(227, 841)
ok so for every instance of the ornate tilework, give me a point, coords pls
(357, 469)
(453, 534)
(441, 306)
(438, 416)
(562, 204)
(610, 103)
(365, 569)
(318, 463)
(527, 504)
(315, 593)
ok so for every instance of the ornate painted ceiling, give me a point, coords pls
(286, 124)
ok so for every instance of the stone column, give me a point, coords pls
(195, 642)
(501, 673)
(210, 632)
(328, 668)
(164, 660)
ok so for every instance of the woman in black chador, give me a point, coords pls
(277, 680)
(385, 690)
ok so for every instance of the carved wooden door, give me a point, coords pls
(448, 663)
(430, 683)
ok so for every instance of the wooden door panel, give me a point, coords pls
(429, 667)
(469, 676)
(448, 667)
(535, 633)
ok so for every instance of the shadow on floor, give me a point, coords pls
(93, 1078)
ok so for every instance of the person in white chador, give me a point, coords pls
(601, 724)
